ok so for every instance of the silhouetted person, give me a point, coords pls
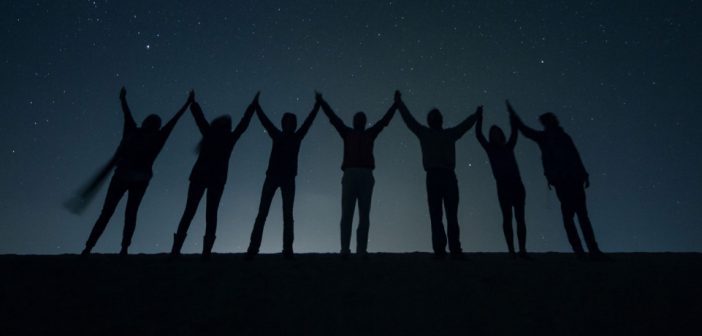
(134, 158)
(439, 160)
(210, 172)
(565, 171)
(357, 182)
(510, 189)
(282, 169)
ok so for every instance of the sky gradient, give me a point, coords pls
(624, 78)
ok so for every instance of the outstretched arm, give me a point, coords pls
(246, 119)
(302, 131)
(333, 118)
(461, 129)
(526, 130)
(129, 123)
(479, 132)
(385, 120)
(267, 124)
(407, 117)
(199, 117)
(166, 130)
(513, 134)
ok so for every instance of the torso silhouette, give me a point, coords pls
(438, 147)
(560, 158)
(283, 159)
(503, 163)
(137, 153)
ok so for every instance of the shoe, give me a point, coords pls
(439, 256)
(289, 255)
(523, 255)
(124, 251)
(345, 255)
(512, 255)
(599, 256)
(85, 252)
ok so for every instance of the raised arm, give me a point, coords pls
(333, 118)
(526, 130)
(461, 129)
(513, 134)
(385, 120)
(267, 124)
(168, 128)
(199, 117)
(407, 117)
(302, 131)
(246, 119)
(129, 123)
(479, 132)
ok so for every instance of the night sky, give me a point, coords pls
(624, 77)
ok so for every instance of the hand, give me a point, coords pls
(191, 96)
(317, 96)
(587, 182)
(254, 102)
(510, 109)
(122, 93)
(479, 111)
(398, 97)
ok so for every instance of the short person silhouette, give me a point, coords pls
(281, 172)
(210, 172)
(564, 170)
(510, 189)
(439, 160)
(357, 182)
(135, 157)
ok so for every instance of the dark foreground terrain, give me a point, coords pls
(320, 294)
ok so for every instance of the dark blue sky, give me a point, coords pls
(623, 76)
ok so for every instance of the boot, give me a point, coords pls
(207, 243)
(178, 240)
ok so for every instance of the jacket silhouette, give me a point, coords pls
(281, 172)
(439, 160)
(210, 172)
(358, 164)
(134, 159)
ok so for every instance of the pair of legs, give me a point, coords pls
(116, 190)
(195, 193)
(442, 190)
(572, 197)
(356, 186)
(287, 190)
(513, 196)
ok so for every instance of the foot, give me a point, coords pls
(523, 255)
(250, 255)
(439, 256)
(289, 255)
(124, 251)
(512, 255)
(458, 256)
(363, 255)
(344, 255)
(599, 256)
(85, 252)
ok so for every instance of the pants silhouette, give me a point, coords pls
(571, 193)
(195, 193)
(442, 190)
(287, 190)
(115, 192)
(356, 186)
(513, 196)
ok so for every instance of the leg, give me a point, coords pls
(214, 195)
(348, 206)
(584, 220)
(136, 194)
(503, 195)
(568, 211)
(451, 205)
(365, 194)
(114, 194)
(269, 187)
(519, 206)
(287, 190)
(195, 192)
(434, 198)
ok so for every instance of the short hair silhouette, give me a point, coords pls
(549, 120)
(497, 137)
(359, 121)
(289, 122)
(434, 119)
(151, 123)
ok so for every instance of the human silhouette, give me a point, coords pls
(357, 182)
(210, 172)
(281, 172)
(564, 170)
(510, 189)
(135, 156)
(439, 161)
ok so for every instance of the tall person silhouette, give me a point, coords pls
(210, 172)
(564, 170)
(357, 182)
(135, 157)
(510, 189)
(439, 161)
(282, 169)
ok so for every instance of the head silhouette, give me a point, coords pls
(152, 123)
(289, 122)
(497, 137)
(549, 120)
(434, 119)
(359, 121)
(221, 124)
